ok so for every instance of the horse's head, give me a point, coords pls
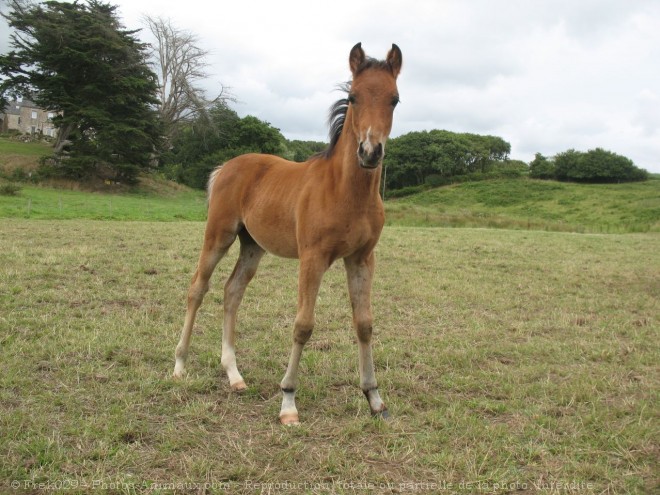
(372, 99)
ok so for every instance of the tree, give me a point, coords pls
(299, 151)
(258, 136)
(209, 140)
(439, 154)
(180, 66)
(599, 165)
(565, 163)
(541, 168)
(76, 59)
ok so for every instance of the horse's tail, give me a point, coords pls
(209, 186)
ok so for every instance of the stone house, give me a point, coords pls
(28, 118)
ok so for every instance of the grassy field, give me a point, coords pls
(511, 204)
(535, 204)
(511, 361)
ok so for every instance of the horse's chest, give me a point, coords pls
(339, 236)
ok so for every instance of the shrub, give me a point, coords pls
(542, 168)
(436, 180)
(9, 189)
(597, 165)
(404, 191)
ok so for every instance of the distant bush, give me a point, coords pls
(501, 173)
(404, 191)
(436, 180)
(594, 166)
(518, 165)
(9, 189)
(541, 168)
(11, 134)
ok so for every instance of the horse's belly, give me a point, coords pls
(274, 236)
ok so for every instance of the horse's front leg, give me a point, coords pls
(359, 272)
(311, 273)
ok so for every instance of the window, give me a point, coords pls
(50, 115)
(34, 114)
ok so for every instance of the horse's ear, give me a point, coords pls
(395, 60)
(356, 58)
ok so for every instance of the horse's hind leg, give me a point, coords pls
(215, 247)
(246, 266)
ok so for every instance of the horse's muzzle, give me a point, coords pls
(370, 156)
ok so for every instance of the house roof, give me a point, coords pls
(14, 106)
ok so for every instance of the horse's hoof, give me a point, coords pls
(384, 415)
(290, 419)
(179, 369)
(239, 386)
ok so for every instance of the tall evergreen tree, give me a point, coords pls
(77, 59)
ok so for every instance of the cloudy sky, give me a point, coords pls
(546, 75)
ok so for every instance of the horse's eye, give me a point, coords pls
(395, 101)
(351, 99)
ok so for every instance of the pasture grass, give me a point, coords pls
(511, 361)
(154, 201)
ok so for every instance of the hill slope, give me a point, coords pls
(18, 155)
(534, 204)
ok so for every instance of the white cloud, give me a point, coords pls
(647, 113)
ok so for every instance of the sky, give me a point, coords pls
(545, 75)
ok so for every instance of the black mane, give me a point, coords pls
(336, 118)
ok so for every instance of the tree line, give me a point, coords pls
(419, 160)
(123, 106)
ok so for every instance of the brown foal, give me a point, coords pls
(326, 208)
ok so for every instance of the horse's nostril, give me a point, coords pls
(370, 154)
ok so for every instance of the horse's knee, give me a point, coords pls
(302, 330)
(364, 330)
(197, 291)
